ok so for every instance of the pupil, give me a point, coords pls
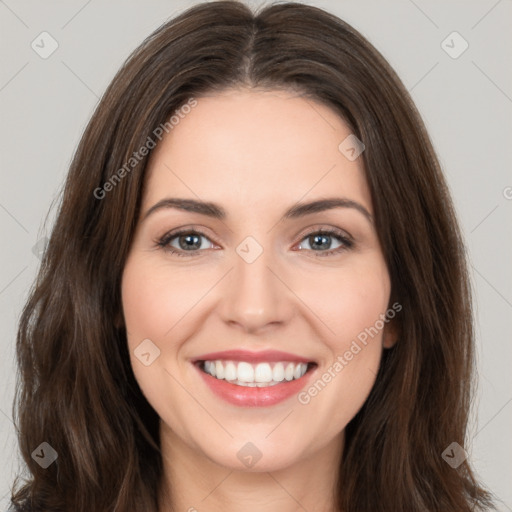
(195, 244)
(321, 238)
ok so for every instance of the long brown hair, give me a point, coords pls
(76, 389)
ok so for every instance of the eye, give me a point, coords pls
(322, 239)
(191, 241)
(187, 240)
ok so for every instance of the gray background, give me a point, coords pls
(466, 103)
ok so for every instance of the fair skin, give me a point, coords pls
(255, 154)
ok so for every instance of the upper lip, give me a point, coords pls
(252, 357)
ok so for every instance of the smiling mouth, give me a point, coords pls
(261, 375)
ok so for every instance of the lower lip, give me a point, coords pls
(245, 396)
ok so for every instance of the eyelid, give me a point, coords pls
(192, 228)
(305, 231)
(315, 228)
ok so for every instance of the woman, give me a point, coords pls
(191, 345)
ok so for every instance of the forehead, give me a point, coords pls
(256, 147)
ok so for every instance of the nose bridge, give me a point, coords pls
(256, 297)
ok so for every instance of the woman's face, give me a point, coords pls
(260, 294)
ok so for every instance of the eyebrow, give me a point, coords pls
(296, 211)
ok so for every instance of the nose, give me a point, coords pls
(255, 295)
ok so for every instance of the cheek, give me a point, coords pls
(152, 306)
(351, 305)
(349, 300)
(150, 310)
(159, 303)
(155, 299)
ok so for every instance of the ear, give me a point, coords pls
(391, 333)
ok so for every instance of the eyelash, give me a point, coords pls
(164, 241)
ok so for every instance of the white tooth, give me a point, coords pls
(254, 384)
(263, 373)
(245, 372)
(288, 373)
(230, 371)
(278, 372)
(219, 369)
